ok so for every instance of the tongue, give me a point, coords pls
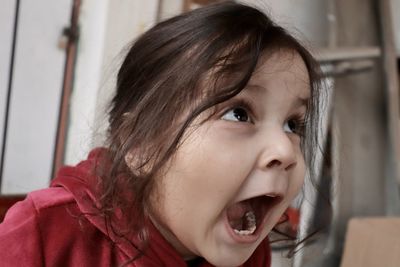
(236, 215)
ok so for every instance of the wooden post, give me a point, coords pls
(71, 34)
(390, 75)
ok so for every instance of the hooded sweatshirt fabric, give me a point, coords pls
(60, 226)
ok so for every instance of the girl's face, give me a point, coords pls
(234, 175)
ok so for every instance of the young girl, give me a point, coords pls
(211, 130)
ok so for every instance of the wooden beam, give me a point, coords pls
(391, 82)
(325, 55)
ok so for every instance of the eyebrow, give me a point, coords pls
(299, 102)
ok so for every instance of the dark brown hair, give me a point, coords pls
(160, 91)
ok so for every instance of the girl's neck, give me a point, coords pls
(186, 254)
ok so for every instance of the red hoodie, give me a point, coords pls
(48, 228)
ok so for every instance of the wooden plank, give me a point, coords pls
(359, 132)
(325, 55)
(391, 83)
(71, 49)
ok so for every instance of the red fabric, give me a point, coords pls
(48, 228)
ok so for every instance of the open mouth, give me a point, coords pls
(247, 216)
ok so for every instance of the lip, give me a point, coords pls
(248, 239)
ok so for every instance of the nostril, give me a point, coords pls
(277, 163)
(274, 163)
(290, 166)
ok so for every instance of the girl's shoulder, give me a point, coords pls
(47, 228)
(29, 213)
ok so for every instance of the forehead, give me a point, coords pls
(282, 68)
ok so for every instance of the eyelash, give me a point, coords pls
(241, 104)
(300, 122)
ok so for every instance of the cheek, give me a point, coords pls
(297, 180)
(207, 171)
(196, 187)
(196, 179)
(210, 157)
(294, 186)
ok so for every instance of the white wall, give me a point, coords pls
(106, 29)
(38, 73)
(7, 14)
(87, 80)
(306, 19)
(127, 19)
(170, 8)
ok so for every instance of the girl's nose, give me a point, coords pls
(278, 152)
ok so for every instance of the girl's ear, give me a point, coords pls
(132, 161)
(137, 163)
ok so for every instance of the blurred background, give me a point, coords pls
(58, 61)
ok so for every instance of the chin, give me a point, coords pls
(228, 262)
(230, 258)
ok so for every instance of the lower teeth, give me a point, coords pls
(250, 223)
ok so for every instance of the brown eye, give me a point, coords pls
(290, 126)
(294, 126)
(236, 114)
